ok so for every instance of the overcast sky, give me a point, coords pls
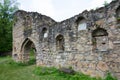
(60, 9)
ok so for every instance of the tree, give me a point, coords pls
(105, 3)
(7, 8)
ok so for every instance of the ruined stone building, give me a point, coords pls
(88, 42)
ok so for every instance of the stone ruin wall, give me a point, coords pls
(93, 49)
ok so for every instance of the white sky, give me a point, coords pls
(60, 9)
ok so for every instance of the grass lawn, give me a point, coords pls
(15, 72)
(10, 70)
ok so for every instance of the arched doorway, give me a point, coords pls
(28, 51)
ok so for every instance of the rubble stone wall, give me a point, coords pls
(88, 42)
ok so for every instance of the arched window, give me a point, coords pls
(118, 12)
(44, 33)
(100, 39)
(60, 43)
(81, 24)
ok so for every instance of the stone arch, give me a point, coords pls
(26, 48)
(81, 23)
(60, 43)
(100, 39)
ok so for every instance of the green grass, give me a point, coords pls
(55, 74)
(10, 70)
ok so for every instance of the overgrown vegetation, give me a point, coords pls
(7, 8)
(10, 70)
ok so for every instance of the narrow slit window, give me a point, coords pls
(44, 33)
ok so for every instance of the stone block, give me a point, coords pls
(102, 66)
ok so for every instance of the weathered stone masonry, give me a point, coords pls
(89, 42)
